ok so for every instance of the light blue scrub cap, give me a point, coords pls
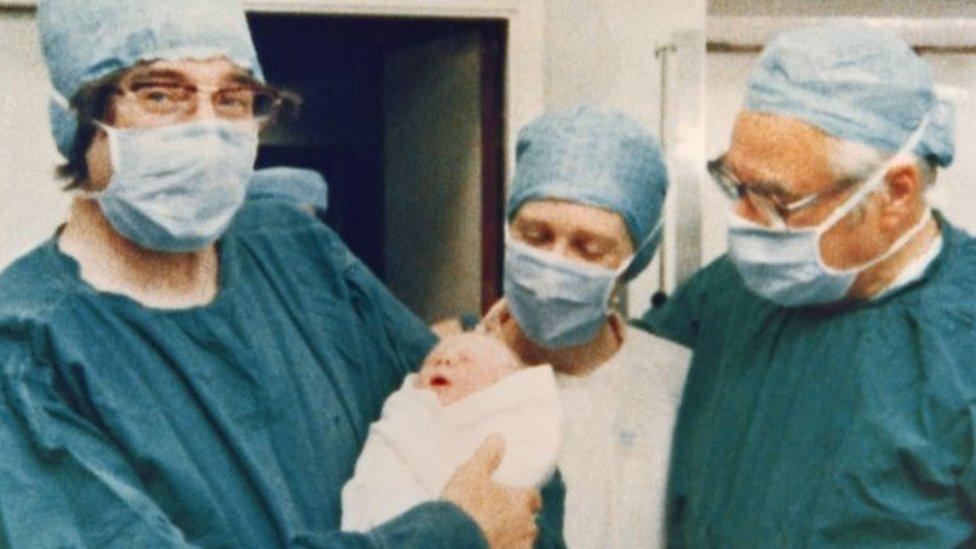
(598, 157)
(294, 185)
(854, 82)
(84, 40)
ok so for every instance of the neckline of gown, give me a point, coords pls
(69, 271)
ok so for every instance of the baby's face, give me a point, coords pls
(464, 364)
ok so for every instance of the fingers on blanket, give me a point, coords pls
(526, 498)
(488, 456)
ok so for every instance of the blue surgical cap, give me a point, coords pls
(597, 157)
(294, 185)
(84, 40)
(854, 82)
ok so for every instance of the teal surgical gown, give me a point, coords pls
(233, 424)
(851, 426)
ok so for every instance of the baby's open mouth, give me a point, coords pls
(439, 381)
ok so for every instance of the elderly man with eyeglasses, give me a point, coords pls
(178, 369)
(832, 394)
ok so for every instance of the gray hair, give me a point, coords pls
(852, 161)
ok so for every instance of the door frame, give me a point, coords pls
(525, 48)
(521, 65)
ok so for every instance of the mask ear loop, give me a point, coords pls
(113, 147)
(619, 271)
(895, 247)
(63, 102)
(877, 179)
(640, 248)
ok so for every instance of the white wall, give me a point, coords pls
(603, 51)
(32, 205)
(726, 75)
(955, 193)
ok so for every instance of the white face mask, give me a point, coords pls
(785, 266)
(176, 188)
(557, 302)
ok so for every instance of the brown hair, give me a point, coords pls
(91, 102)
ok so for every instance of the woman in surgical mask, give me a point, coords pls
(583, 218)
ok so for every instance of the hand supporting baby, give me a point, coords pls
(434, 438)
(506, 515)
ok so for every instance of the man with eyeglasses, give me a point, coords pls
(179, 371)
(832, 394)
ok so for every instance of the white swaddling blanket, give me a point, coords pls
(417, 444)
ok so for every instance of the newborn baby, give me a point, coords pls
(469, 387)
(464, 364)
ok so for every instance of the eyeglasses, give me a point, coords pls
(772, 204)
(176, 100)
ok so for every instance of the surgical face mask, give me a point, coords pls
(176, 188)
(556, 302)
(784, 265)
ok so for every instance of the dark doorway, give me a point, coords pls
(404, 118)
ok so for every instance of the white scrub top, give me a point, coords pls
(617, 425)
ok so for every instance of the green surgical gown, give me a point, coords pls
(234, 424)
(850, 426)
